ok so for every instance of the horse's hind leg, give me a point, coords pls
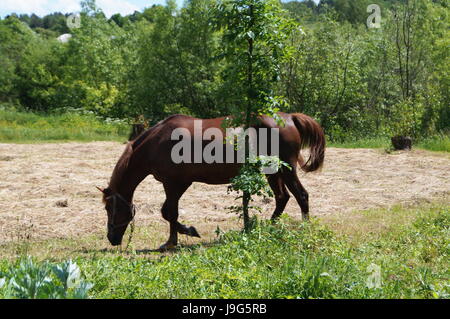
(292, 182)
(170, 213)
(280, 192)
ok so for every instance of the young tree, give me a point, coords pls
(254, 42)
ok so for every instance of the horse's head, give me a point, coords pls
(120, 213)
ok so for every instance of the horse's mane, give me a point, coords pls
(120, 167)
(130, 149)
(138, 140)
(143, 136)
(124, 160)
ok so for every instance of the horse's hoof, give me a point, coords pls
(166, 247)
(193, 232)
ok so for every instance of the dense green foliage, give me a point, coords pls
(357, 82)
(291, 260)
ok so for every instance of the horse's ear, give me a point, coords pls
(106, 191)
(103, 190)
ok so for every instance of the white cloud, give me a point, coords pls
(43, 7)
(22, 6)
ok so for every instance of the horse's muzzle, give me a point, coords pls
(114, 239)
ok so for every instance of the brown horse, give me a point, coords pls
(150, 153)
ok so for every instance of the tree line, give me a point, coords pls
(356, 81)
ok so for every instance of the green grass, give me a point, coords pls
(436, 143)
(376, 142)
(439, 143)
(28, 127)
(324, 259)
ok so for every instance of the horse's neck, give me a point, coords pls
(131, 175)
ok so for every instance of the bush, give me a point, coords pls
(29, 280)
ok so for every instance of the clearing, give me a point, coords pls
(36, 179)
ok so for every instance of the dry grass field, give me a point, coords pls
(47, 191)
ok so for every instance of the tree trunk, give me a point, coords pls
(246, 196)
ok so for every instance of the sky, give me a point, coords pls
(44, 7)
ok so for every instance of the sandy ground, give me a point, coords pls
(34, 178)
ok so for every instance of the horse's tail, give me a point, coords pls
(312, 136)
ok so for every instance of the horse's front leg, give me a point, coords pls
(170, 213)
(190, 231)
(175, 228)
